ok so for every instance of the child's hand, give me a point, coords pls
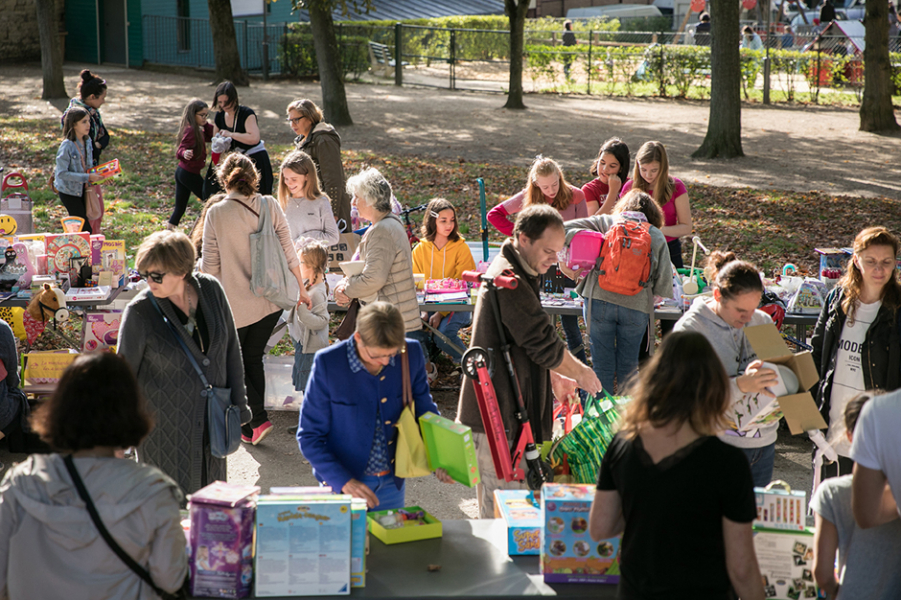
(615, 183)
(188, 154)
(92, 177)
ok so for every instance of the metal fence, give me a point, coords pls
(183, 41)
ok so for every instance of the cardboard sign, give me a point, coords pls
(344, 250)
(786, 563)
(47, 367)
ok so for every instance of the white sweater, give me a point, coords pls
(312, 219)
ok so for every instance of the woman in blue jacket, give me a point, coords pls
(352, 404)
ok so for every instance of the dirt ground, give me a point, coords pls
(793, 148)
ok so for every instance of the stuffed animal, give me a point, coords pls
(48, 305)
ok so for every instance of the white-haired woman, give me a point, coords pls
(385, 251)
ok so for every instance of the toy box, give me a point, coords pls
(800, 411)
(107, 171)
(221, 551)
(303, 545)
(568, 555)
(100, 329)
(280, 392)
(450, 447)
(786, 563)
(583, 250)
(521, 513)
(63, 246)
(780, 507)
(426, 528)
(111, 259)
(358, 535)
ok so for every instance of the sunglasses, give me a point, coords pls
(294, 121)
(154, 277)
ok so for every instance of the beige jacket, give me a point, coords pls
(50, 548)
(388, 272)
(226, 253)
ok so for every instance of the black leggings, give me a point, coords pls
(264, 166)
(253, 340)
(76, 207)
(185, 183)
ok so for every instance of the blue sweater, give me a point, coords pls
(338, 416)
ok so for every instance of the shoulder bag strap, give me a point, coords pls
(405, 369)
(104, 533)
(255, 213)
(203, 379)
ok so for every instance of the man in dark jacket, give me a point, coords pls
(544, 367)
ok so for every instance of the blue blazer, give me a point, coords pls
(338, 416)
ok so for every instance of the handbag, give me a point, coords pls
(583, 448)
(181, 594)
(410, 459)
(269, 272)
(349, 323)
(92, 204)
(223, 417)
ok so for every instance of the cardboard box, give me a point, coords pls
(358, 535)
(303, 545)
(220, 558)
(800, 411)
(781, 507)
(63, 246)
(100, 329)
(786, 563)
(568, 554)
(46, 367)
(110, 258)
(450, 447)
(524, 519)
(409, 533)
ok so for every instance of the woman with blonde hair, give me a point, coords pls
(323, 144)
(856, 344)
(681, 498)
(547, 185)
(307, 210)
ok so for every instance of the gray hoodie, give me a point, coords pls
(736, 354)
(50, 548)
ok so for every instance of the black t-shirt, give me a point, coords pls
(240, 119)
(673, 542)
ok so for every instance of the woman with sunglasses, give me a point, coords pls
(193, 307)
(323, 144)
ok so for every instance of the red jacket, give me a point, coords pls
(196, 164)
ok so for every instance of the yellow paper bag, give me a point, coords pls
(411, 459)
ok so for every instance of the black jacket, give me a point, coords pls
(880, 355)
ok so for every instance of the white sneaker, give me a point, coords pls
(431, 372)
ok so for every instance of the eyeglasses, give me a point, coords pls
(152, 276)
(391, 354)
(203, 115)
(295, 120)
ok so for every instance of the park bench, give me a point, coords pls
(380, 58)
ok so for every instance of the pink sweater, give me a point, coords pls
(499, 216)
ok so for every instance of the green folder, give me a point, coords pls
(450, 447)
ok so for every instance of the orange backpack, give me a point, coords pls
(625, 263)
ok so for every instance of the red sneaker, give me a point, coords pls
(258, 433)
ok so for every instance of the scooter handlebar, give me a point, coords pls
(501, 281)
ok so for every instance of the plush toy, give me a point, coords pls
(48, 305)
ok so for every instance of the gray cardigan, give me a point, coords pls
(310, 327)
(172, 387)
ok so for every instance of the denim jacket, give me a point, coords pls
(70, 176)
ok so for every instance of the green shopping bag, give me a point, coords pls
(584, 447)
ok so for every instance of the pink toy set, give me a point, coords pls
(445, 286)
(583, 251)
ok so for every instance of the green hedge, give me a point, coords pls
(299, 55)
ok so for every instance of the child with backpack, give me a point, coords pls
(619, 291)
(308, 327)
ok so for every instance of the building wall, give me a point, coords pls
(19, 37)
(558, 8)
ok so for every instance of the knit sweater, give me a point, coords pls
(310, 326)
(226, 252)
(311, 219)
(323, 144)
(11, 397)
(388, 270)
(171, 385)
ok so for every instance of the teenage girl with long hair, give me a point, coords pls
(73, 164)
(193, 135)
(681, 498)
(307, 209)
(856, 345)
(611, 172)
(547, 185)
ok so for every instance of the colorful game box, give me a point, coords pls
(63, 246)
(100, 329)
(221, 550)
(303, 545)
(107, 171)
(111, 260)
(450, 447)
(568, 554)
(522, 515)
(781, 507)
(358, 535)
(786, 563)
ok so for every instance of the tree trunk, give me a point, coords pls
(723, 138)
(225, 43)
(516, 12)
(331, 72)
(51, 52)
(876, 110)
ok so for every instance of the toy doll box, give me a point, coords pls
(450, 447)
(221, 545)
(801, 413)
(780, 507)
(303, 545)
(100, 329)
(786, 563)
(522, 515)
(409, 532)
(568, 555)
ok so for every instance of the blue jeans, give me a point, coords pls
(616, 334)
(761, 460)
(390, 498)
(303, 364)
(574, 342)
(421, 336)
(450, 326)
